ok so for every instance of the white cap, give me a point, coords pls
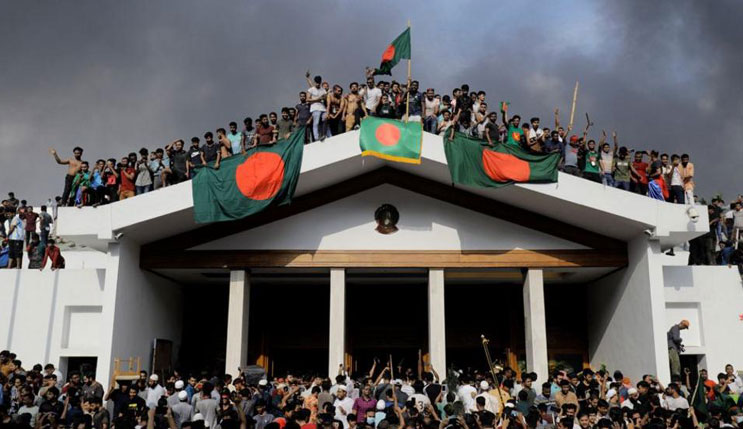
(179, 384)
(484, 385)
(263, 382)
(611, 393)
(182, 395)
(381, 404)
(397, 382)
(342, 387)
(154, 377)
(631, 391)
(509, 405)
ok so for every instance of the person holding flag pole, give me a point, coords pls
(397, 50)
(390, 139)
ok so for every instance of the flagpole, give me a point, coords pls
(407, 102)
(572, 109)
(694, 395)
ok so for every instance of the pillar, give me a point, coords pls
(238, 312)
(436, 320)
(535, 324)
(337, 334)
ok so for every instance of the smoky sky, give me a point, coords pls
(115, 76)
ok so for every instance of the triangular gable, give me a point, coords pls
(425, 223)
(577, 247)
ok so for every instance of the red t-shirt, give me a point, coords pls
(265, 134)
(31, 221)
(642, 174)
(127, 184)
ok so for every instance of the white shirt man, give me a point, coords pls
(466, 394)
(153, 392)
(371, 98)
(182, 411)
(343, 405)
(315, 93)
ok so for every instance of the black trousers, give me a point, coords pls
(67, 189)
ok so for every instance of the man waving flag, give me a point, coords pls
(398, 50)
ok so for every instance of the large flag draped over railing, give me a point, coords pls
(247, 184)
(473, 162)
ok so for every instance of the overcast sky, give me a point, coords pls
(114, 76)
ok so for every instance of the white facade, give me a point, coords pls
(105, 306)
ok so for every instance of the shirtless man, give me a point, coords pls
(73, 167)
(335, 106)
(353, 104)
(225, 145)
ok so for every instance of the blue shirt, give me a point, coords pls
(553, 146)
(96, 182)
(155, 165)
(18, 233)
(415, 104)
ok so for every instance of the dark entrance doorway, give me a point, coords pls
(386, 314)
(495, 310)
(289, 324)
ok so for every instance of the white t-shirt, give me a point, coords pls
(676, 179)
(676, 403)
(421, 401)
(372, 97)
(317, 106)
(535, 133)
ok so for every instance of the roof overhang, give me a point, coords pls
(573, 201)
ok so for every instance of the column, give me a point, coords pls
(436, 320)
(337, 334)
(535, 324)
(238, 312)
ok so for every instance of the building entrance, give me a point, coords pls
(386, 314)
(288, 331)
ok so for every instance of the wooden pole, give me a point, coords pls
(572, 108)
(407, 100)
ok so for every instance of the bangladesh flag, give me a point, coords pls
(397, 50)
(391, 139)
(473, 162)
(699, 398)
(247, 184)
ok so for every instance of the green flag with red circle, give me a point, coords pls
(247, 184)
(391, 139)
(397, 50)
(473, 162)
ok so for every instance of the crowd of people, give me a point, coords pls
(722, 244)
(383, 398)
(23, 229)
(325, 111)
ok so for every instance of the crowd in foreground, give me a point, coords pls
(383, 398)
(325, 111)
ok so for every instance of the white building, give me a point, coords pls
(570, 272)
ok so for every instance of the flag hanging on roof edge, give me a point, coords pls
(247, 184)
(391, 139)
(473, 162)
(397, 50)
